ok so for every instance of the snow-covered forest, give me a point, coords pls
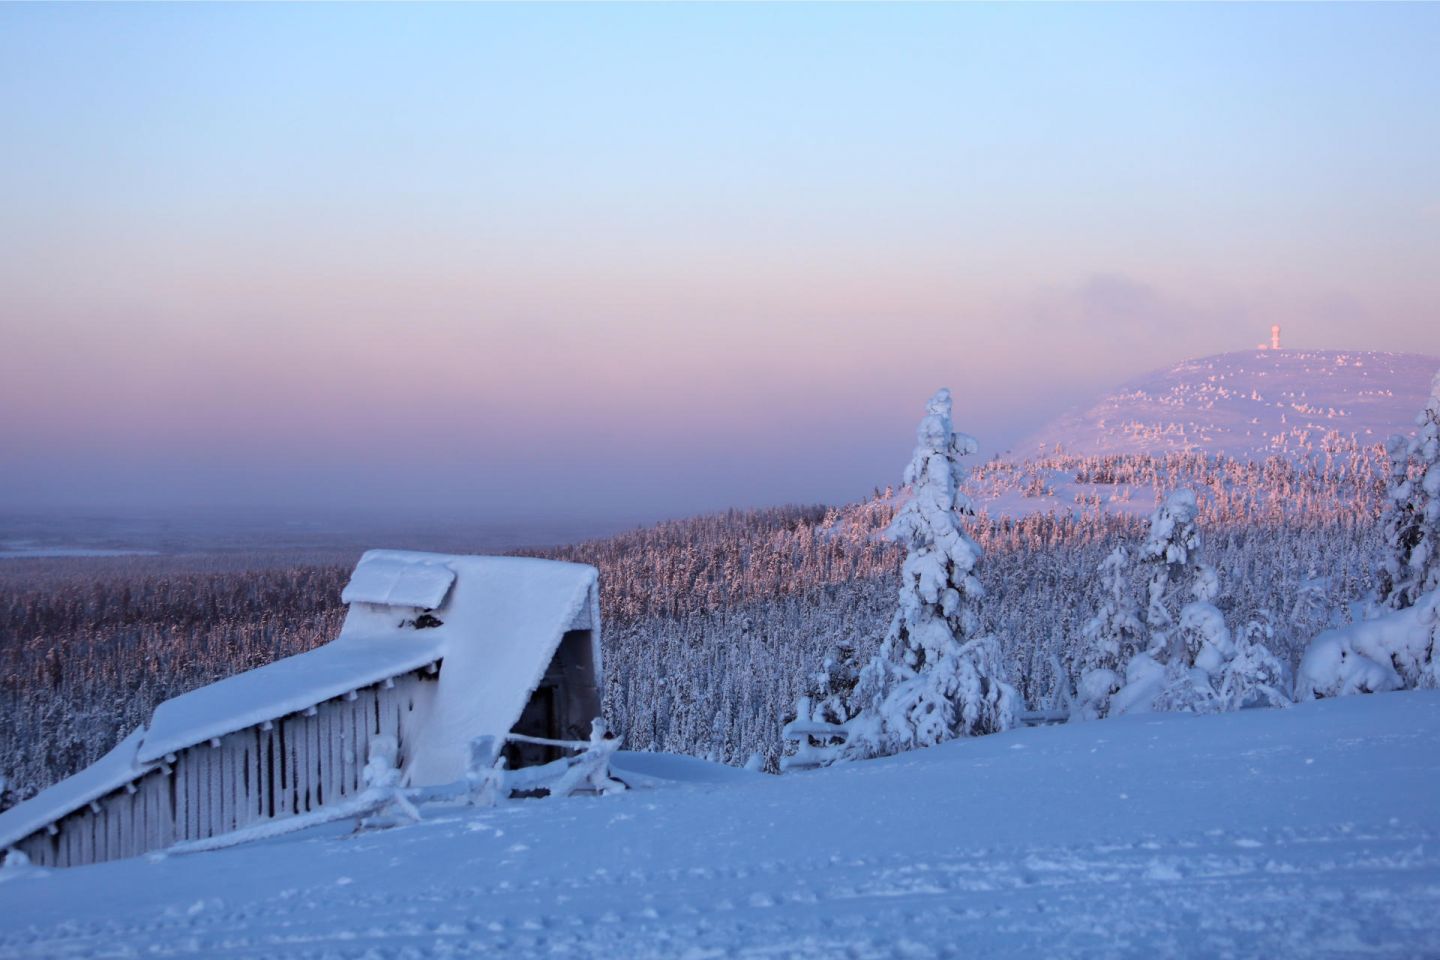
(713, 625)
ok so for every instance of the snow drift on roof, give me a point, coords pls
(397, 579)
(109, 773)
(283, 687)
(503, 623)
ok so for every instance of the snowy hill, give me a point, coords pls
(1307, 832)
(1251, 404)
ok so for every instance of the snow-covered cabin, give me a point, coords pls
(435, 651)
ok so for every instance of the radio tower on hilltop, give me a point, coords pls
(1274, 343)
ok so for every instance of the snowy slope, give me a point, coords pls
(1307, 832)
(1252, 404)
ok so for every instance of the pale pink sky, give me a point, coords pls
(634, 261)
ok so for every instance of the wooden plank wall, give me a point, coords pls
(289, 765)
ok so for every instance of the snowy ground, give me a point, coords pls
(1313, 831)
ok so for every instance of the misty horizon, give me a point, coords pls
(347, 501)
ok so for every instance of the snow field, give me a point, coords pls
(1313, 831)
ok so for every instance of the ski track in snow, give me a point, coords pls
(1192, 896)
(1313, 831)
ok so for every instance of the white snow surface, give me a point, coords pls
(1308, 832)
(1252, 404)
(657, 768)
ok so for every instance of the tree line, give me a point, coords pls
(712, 625)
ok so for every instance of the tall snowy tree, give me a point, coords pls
(933, 678)
(1109, 639)
(1410, 567)
(1172, 553)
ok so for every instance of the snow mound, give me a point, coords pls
(654, 769)
(1249, 405)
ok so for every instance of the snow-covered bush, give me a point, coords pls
(1204, 639)
(1253, 676)
(1393, 651)
(1313, 606)
(1160, 677)
(1410, 567)
(933, 677)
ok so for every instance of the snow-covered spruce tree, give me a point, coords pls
(829, 703)
(1311, 611)
(1193, 662)
(1410, 566)
(1253, 677)
(1397, 646)
(834, 685)
(1172, 554)
(1193, 646)
(1109, 640)
(933, 678)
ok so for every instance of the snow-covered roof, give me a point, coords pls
(499, 623)
(283, 687)
(501, 626)
(109, 773)
(399, 580)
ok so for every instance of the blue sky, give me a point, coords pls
(251, 252)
